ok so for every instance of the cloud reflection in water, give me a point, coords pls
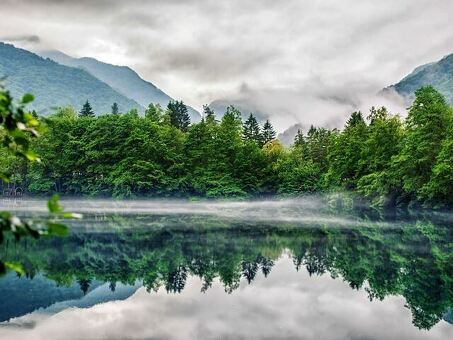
(285, 305)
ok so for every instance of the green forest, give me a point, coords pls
(377, 156)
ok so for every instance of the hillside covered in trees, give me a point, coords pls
(55, 85)
(121, 78)
(438, 74)
(378, 156)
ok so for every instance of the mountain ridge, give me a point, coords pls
(123, 79)
(438, 74)
(55, 85)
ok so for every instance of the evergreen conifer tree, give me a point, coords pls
(208, 114)
(86, 110)
(251, 130)
(355, 119)
(268, 132)
(115, 109)
(299, 139)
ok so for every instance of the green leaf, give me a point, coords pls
(27, 98)
(31, 120)
(53, 204)
(57, 229)
(22, 141)
(17, 267)
(5, 177)
(5, 215)
(72, 215)
(31, 156)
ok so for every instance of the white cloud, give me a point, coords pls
(304, 61)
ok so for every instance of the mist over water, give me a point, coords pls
(308, 209)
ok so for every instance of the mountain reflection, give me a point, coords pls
(413, 259)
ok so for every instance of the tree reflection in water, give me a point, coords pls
(413, 259)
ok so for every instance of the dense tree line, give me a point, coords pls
(380, 156)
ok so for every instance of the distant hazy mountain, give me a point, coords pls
(121, 78)
(287, 136)
(439, 74)
(56, 85)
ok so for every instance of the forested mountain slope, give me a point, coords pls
(55, 85)
(121, 78)
(438, 74)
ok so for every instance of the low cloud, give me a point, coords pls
(21, 38)
(309, 62)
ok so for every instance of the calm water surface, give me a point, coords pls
(246, 270)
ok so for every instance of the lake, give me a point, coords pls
(286, 269)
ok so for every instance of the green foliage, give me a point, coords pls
(55, 85)
(299, 178)
(392, 163)
(301, 170)
(383, 143)
(439, 189)
(154, 113)
(208, 114)
(427, 126)
(438, 74)
(86, 110)
(317, 145)
(17, 127)
(115, 109)
(380, 158)
(268, 133)
(345, 152)
(179, 116)
(251, 131)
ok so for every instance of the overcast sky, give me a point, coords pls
(297, 60)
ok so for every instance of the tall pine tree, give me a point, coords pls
(208, 114)
(268, 132)
(251, 130)
(115, 109)
(86, 110)
(300, 144)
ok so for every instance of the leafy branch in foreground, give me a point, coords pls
(18, 125)
(17, 128)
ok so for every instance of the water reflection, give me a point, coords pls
(408, 260)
